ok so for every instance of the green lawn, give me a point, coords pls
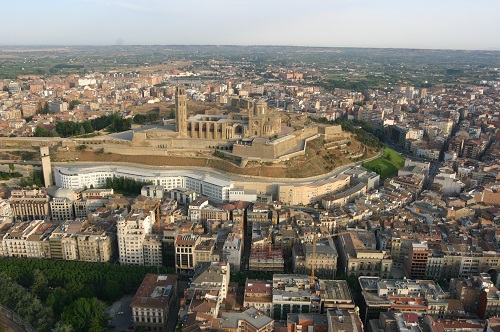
(387, 165)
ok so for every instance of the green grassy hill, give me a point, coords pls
(387, 165)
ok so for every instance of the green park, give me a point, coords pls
(386, 165)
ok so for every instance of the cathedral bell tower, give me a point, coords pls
(181, 110)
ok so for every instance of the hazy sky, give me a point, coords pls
(450, 24)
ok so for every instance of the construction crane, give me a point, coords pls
(313, 259)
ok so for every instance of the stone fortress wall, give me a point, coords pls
(288, 146)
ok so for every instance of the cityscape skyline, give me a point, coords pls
(318, 23)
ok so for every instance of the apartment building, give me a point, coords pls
(251, 320)
(184, 251)
(421, 296)
(416, 261)
(81, 240)
(132, 231)
(215, 277)
(400, 245)
(61, 209)
(96, 242)
(259, 295)
(88, 205)
(325, 261)
(63, 241)
(343, 197)
(153, 300)
(489, 302)
(232, 251)
(96, 193)
(29, 204)
(153, 250)
(291, 294)
(25, 239)
(474, 148)
(258, 213)
(5, 210)
(195, 207)
(210, 212)
(333, 294)
(468, 291)
(306, 322)
(204, 250)
(358, 255)
(312, 193)
(170, 233)
(344, 320)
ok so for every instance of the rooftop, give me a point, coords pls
(155, 291)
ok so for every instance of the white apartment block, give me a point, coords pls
(231, 252)
(21, 241)
(195, 207)
(132, 232)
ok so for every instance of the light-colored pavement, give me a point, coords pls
(128, 135)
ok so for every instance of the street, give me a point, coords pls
(119, 322)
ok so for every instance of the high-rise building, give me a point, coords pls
(184, 251)
(132, 232)
(416, 262)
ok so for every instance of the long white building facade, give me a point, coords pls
(77, 177)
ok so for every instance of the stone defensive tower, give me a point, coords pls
(181, 110)
(46, 166)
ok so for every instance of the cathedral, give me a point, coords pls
(258, 122)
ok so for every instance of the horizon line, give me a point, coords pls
(251, 45)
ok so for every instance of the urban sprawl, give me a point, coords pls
(357, 249)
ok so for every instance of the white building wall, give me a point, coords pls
(75, 178)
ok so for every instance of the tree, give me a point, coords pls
(87, 126)
(58, 300)
(40, 285)
(11, 168)
(25, 304)
(42, 132)
(73, 104)
(62, 327)
(172, 114)
(74, 288)
(388, 157)
(36, 179)
(112, 290)
(86, 314)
